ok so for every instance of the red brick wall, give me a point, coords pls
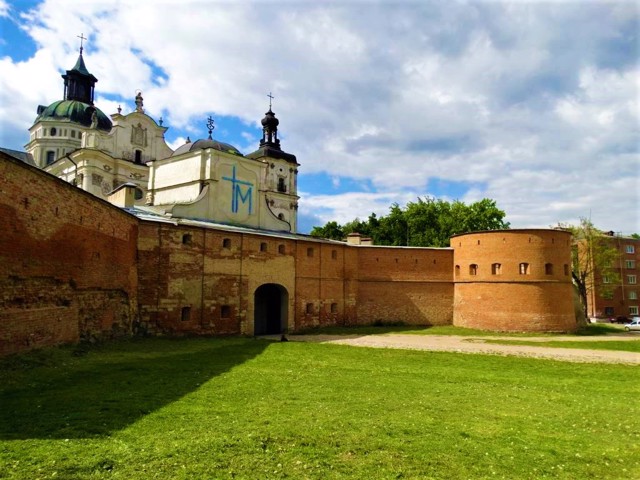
(67, 262)
(541, 300)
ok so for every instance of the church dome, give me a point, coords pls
(204, 144)
(76, 112)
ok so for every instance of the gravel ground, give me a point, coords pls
(461, 344)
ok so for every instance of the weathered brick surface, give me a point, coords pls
(62, 250)
(540, 300)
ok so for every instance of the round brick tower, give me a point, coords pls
(513, 280)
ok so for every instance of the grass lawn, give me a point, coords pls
(246, 408)
(624, 346)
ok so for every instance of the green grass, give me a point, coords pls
(623, 346)
(588, 330)
(245, 408)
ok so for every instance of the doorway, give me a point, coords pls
(271, 303)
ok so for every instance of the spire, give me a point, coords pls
(210, 126)
(270, 128)
(79, 84)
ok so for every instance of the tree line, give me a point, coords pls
(428, 222)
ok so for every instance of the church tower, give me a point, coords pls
(58, 128)
(280, 184)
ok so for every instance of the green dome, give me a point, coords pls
(74, 111)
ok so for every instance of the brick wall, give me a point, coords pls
(67, 262)
(513, 280)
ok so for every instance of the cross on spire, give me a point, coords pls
(81, 37)
(271, 97)
(210, 126)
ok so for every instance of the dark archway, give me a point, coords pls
(271, 303)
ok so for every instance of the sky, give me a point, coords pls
(535, 105)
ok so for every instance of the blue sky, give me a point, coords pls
(533, 104)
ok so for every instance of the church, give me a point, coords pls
(109, 232)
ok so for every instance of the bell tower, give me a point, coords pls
(79, 84)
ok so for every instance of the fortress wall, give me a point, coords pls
(67, 262)
(406, 285)
(513, 280)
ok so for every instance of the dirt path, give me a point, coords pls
(460, 344)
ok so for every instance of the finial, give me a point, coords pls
(160, 121)
(210, 126)
(139, 103)
(119, 109)
(271, 97)
(188, 140)
(81, 37)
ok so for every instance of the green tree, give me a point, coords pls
(426, 222)
(594, 258)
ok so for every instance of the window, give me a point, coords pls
(53, 131)
(186, 239)
(225, 311)
(473, 269)
(309, 252)
(138, 157)
(566, 269)
(629, 249)
(226, 243)
(633, 310)
(51, 156)
(185, 314)
(73, 134)
(631, 279)
(633, 295)
(524, 268)
(309, 308)
(608, 311)
(496, 269)
(548, 268)
(281, 249)
(457, 270)
(334, 254)
(263, 247)
(606, 279)
(630, 264)
(334, 308)
(607, 295)
(281, 186)
(281, 216)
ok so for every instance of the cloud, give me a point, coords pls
(534, 103)
(4, 8)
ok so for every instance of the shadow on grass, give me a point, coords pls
(67, 393)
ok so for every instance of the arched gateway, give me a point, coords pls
(270, 309)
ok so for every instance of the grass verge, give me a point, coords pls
(245, 408)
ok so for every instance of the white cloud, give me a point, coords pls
(4, 8)
(504, 95)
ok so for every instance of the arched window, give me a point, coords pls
(457, 270)
(138, 156)
(473, 269)
(496, 269)
(51, 156)
(524, 268)
(548, 268)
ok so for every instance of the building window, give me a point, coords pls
(633, 295)
(281, 249)
(186, 239)
(225, 311)
(138, 157)
(309, 252)
(73, 134)
(334, 308)
(548, 268)
(608, 311)
(629, 249)
(631, 279)
(281, 216)
(630, 264)
(524, 268)
(334, 254)
(633, 310)
(53, 131)
(473, 269)
(263, 246)
(281, 186)
(226, 243)
(185, 314)
(496, 269)
(457, 270)
(309, 308)
(566, 269)
(51, 156)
